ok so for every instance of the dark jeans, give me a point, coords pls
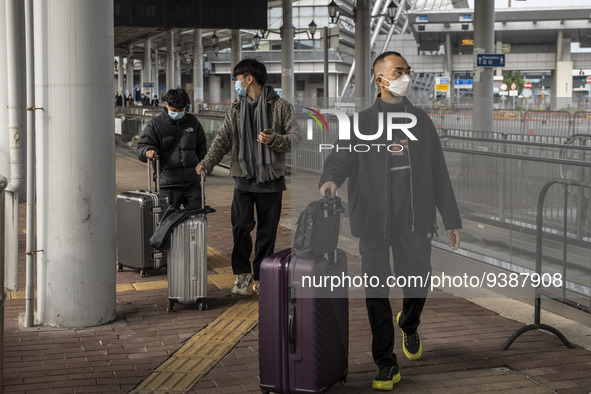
(189, 196)
(412, 257)
(268, 208)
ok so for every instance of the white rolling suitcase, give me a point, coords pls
(187, 259)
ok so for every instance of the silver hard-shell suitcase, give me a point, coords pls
(138, 215)
(187, 259)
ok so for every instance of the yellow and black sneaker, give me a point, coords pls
(411, 344)
(386, 378)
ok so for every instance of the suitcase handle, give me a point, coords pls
(203, 189)
(157, 186)
(291, 329)
(332, 204)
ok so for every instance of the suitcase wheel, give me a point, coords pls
(119, 267)
(143, 273)
(170, 305)
(203, 305)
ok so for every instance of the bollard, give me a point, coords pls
(3, 183)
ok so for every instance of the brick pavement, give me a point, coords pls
(461, 340)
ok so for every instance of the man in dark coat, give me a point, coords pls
(393, 195)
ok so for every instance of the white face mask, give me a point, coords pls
(400, 86)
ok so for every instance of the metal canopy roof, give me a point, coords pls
(126, 37)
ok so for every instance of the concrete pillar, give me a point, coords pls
(155, 75)
(562, 80)
(129, 76)
(499, 70)
(333, 85)
(215, 87)
(449, 68)
(141, 75)
(120, 77)
(81, 149)
(148, 64)
(197, 70)
(42, 166)
(170, 60)
(177, 70)
(235, 57)
(484, 21)
(287, 49)
(4, 155)
(362, 48)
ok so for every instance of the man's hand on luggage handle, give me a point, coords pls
(454, 239)
(199, 168)
(150, 154)
(330, 185)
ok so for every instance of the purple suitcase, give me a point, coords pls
(303, 334)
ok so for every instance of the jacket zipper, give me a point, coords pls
(412, 207)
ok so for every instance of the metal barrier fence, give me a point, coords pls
(582, 123)
(497, 183)
(551, 123)
(515, 167)
(540, 291)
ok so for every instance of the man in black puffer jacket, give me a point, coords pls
(178, 139)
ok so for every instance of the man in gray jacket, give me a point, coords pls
(258, 131)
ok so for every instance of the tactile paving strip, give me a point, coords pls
(183, 370)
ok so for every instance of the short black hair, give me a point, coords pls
(252, 67)
(177, 98)
(384, 55)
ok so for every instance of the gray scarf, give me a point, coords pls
(254, 157)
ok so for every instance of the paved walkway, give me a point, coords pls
(148, 350)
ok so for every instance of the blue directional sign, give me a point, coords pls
(463, 83)
(490, 60)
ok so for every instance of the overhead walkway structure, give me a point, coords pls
(533, 40)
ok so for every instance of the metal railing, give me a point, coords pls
(532, 122)
(539, 291)
(498, 179)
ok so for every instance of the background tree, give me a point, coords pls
(515, 77)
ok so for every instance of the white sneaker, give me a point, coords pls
(241, 284)
(257, 286)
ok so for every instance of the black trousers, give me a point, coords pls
(412, 257)
(268, 210)
(189, 196)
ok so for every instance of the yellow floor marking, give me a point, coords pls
(125, 287)
(150, 285)
(216, 260)
(224, 279)
(200, 354)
